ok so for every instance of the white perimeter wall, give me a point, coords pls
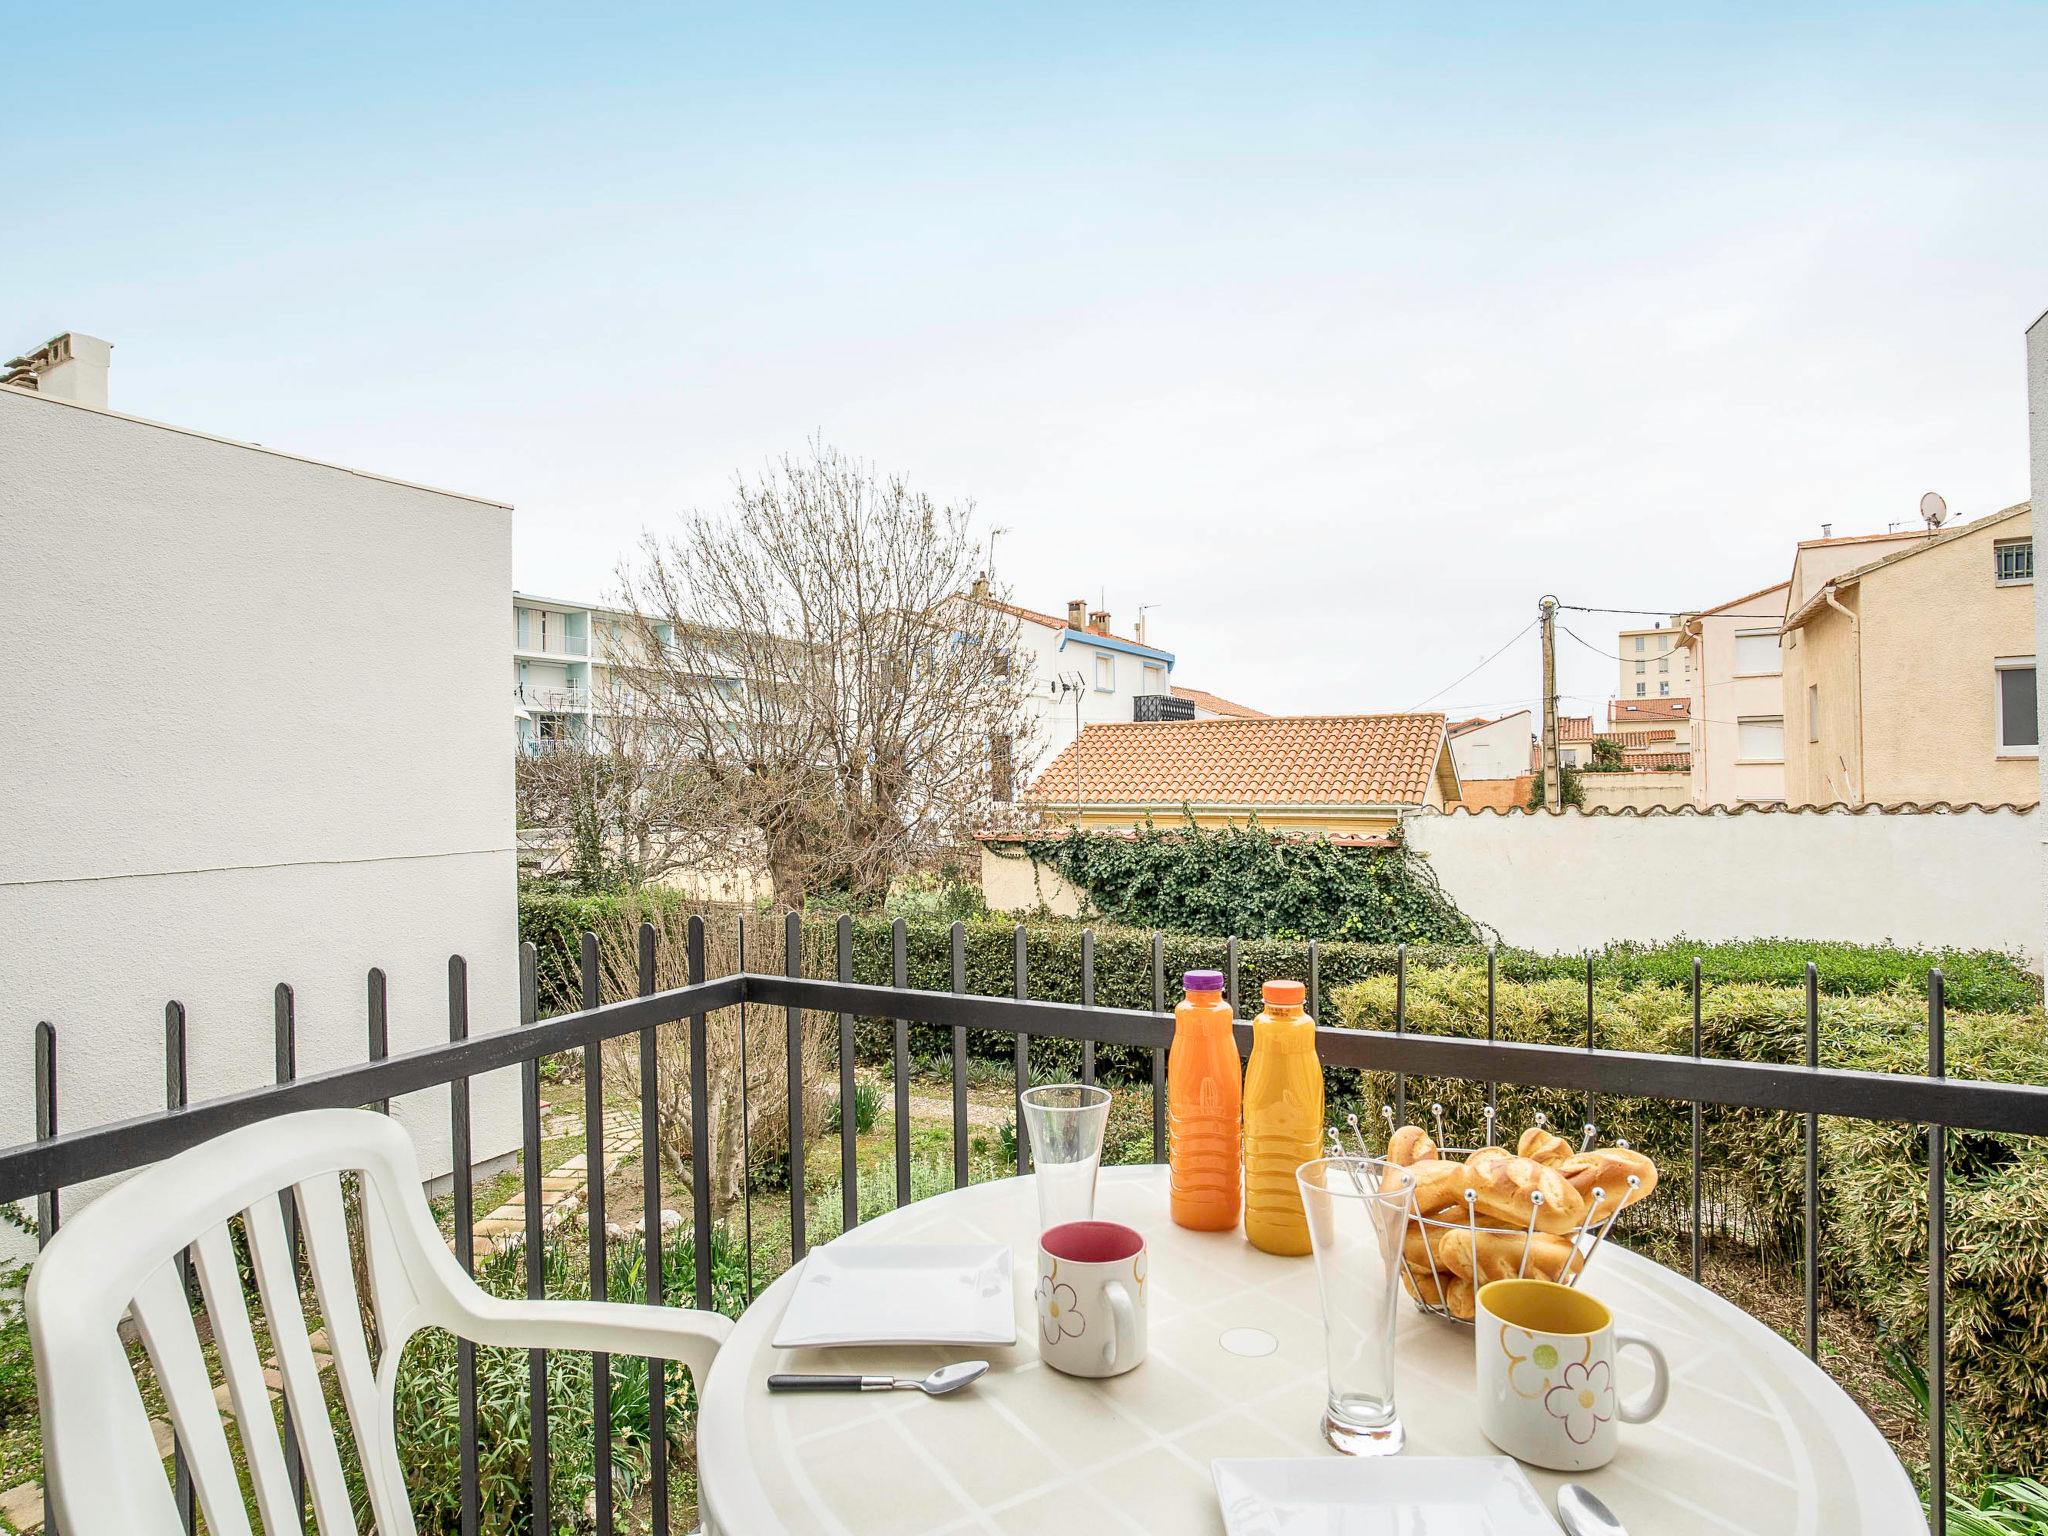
(260, 732)
(1571, 882)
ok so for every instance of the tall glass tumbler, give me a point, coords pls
(1065, 1122)
(1358, 1210)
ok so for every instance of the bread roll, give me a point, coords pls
(1505, 1185)
(1500, 1254)
(1610, 1168)
(1410, 1144)
(1539, 1146)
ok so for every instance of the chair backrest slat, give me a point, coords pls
(220, 1286)
(163, 1316)
(327, 1255)
(277, 1281)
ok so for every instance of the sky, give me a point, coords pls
(1334, 335)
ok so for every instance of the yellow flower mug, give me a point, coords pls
(1546, 1375)
(1091, 1298)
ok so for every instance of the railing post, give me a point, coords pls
(1697, 1125)
(536, 1239)
(595, 1214)
(1937, 1262)
(379, 1007)
(1088, 1000)
(746, 1121)
(961, 1172)
(465, 1238)
(899, 977)
(1158, 1054)
(49, 1203)
(1315, 980)
(284, 1032)
(700, 1107)
(1230, 973)
(1400, 1028)
(1810, 1255)
(849, 1129)
(653, 1237)
(176, 1090)
(793, 1021)
(1492, 1030)
(1021, 968)
(1592, 1099)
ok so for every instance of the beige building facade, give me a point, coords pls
(1654, 664)
(1911, 677)
(1738, 700)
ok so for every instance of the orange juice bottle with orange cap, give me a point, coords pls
(1283, 1119)
(1204, 1090)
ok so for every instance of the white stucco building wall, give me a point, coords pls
(1569, 882)
(264, 740)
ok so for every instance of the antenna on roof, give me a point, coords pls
(1933, 510)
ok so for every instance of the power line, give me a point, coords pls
(1496, 656)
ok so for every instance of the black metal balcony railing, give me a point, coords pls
(58, 1159)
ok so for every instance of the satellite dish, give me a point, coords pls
(1933, 510)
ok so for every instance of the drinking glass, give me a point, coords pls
(1065, 1122)
(1355, 1229)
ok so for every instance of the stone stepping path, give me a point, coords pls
(561, 1189)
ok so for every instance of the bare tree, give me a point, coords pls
(816, 646)
(627, 803)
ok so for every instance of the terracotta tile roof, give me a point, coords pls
(1574, 727)
(1460, 727)
(1633, 711)
(1287, 760)
(1646, 758)
(1216, 704)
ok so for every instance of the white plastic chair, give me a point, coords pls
(103, 1473)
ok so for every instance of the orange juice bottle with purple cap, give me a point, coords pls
(1283, 1119)
(1204, 1088)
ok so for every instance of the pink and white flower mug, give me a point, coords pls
(1091, 1298)
(1547, 1393)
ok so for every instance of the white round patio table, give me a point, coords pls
(1755, 1439)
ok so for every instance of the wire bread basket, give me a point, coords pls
(1490, 1250)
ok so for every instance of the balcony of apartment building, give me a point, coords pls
(550, 631)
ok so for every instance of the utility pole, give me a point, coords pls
(1553, 775)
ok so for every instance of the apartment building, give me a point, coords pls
(1653, 664)
(1737, 700)
(564, 656)
(1910, 676)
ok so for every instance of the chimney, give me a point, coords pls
(1077, 613)
(68, 367)
(979, 591)
(1098, 620)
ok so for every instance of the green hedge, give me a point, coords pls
(1873, 1175)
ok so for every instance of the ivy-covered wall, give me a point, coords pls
(1250, 882)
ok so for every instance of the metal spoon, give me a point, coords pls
(1584, 1515)
(947, 1378)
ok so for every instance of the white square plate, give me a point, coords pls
(1379, 1496)
(909, 1293)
